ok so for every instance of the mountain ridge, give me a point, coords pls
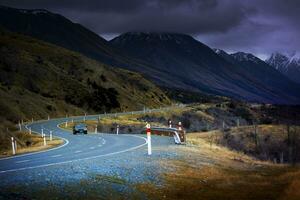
(201, 68)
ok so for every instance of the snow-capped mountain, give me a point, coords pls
(287, 64)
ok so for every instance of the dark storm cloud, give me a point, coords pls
(115, 16)
(257, 26)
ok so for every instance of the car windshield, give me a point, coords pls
(80, 126)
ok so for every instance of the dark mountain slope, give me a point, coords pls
(183, 62)
(58, 30)
(37, 79)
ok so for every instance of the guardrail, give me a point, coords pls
(176, 133)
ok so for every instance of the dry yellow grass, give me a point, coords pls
(208, 171)
(37, 145)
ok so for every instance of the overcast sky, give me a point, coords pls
(256, 26)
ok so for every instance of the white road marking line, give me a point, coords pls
(55, 148)
(22, 161)
(92, 147)
(78, 151)
(100, 145)
(88, 158)
(56, 156)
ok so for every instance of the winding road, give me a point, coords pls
(75, 147)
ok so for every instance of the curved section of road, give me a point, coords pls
(75, 148)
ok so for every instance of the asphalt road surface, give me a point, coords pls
(75, 147)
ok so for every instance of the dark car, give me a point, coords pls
(79, 128)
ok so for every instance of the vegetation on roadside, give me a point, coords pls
(209, 171)
(277, 143)
(25, 143)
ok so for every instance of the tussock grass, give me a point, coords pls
(28, 143)
(208, 171)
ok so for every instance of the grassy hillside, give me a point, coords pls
(37, 79)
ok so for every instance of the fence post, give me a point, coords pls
(13, 146)
(20, 126)
(148, 130)
(45, 141)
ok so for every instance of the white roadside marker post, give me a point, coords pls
(48, 117)
(96, 129)
(223, 125)
(179, 126)
(50, 136)
(42, 132)
(31, 120)
(148, 130)
(118, 129)
(16, 148)
(29, 130)
(84, 117)
(72, 121)
(13, 146)
(66, 124)
(170, 124)
(238, 122)
(22, 122)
